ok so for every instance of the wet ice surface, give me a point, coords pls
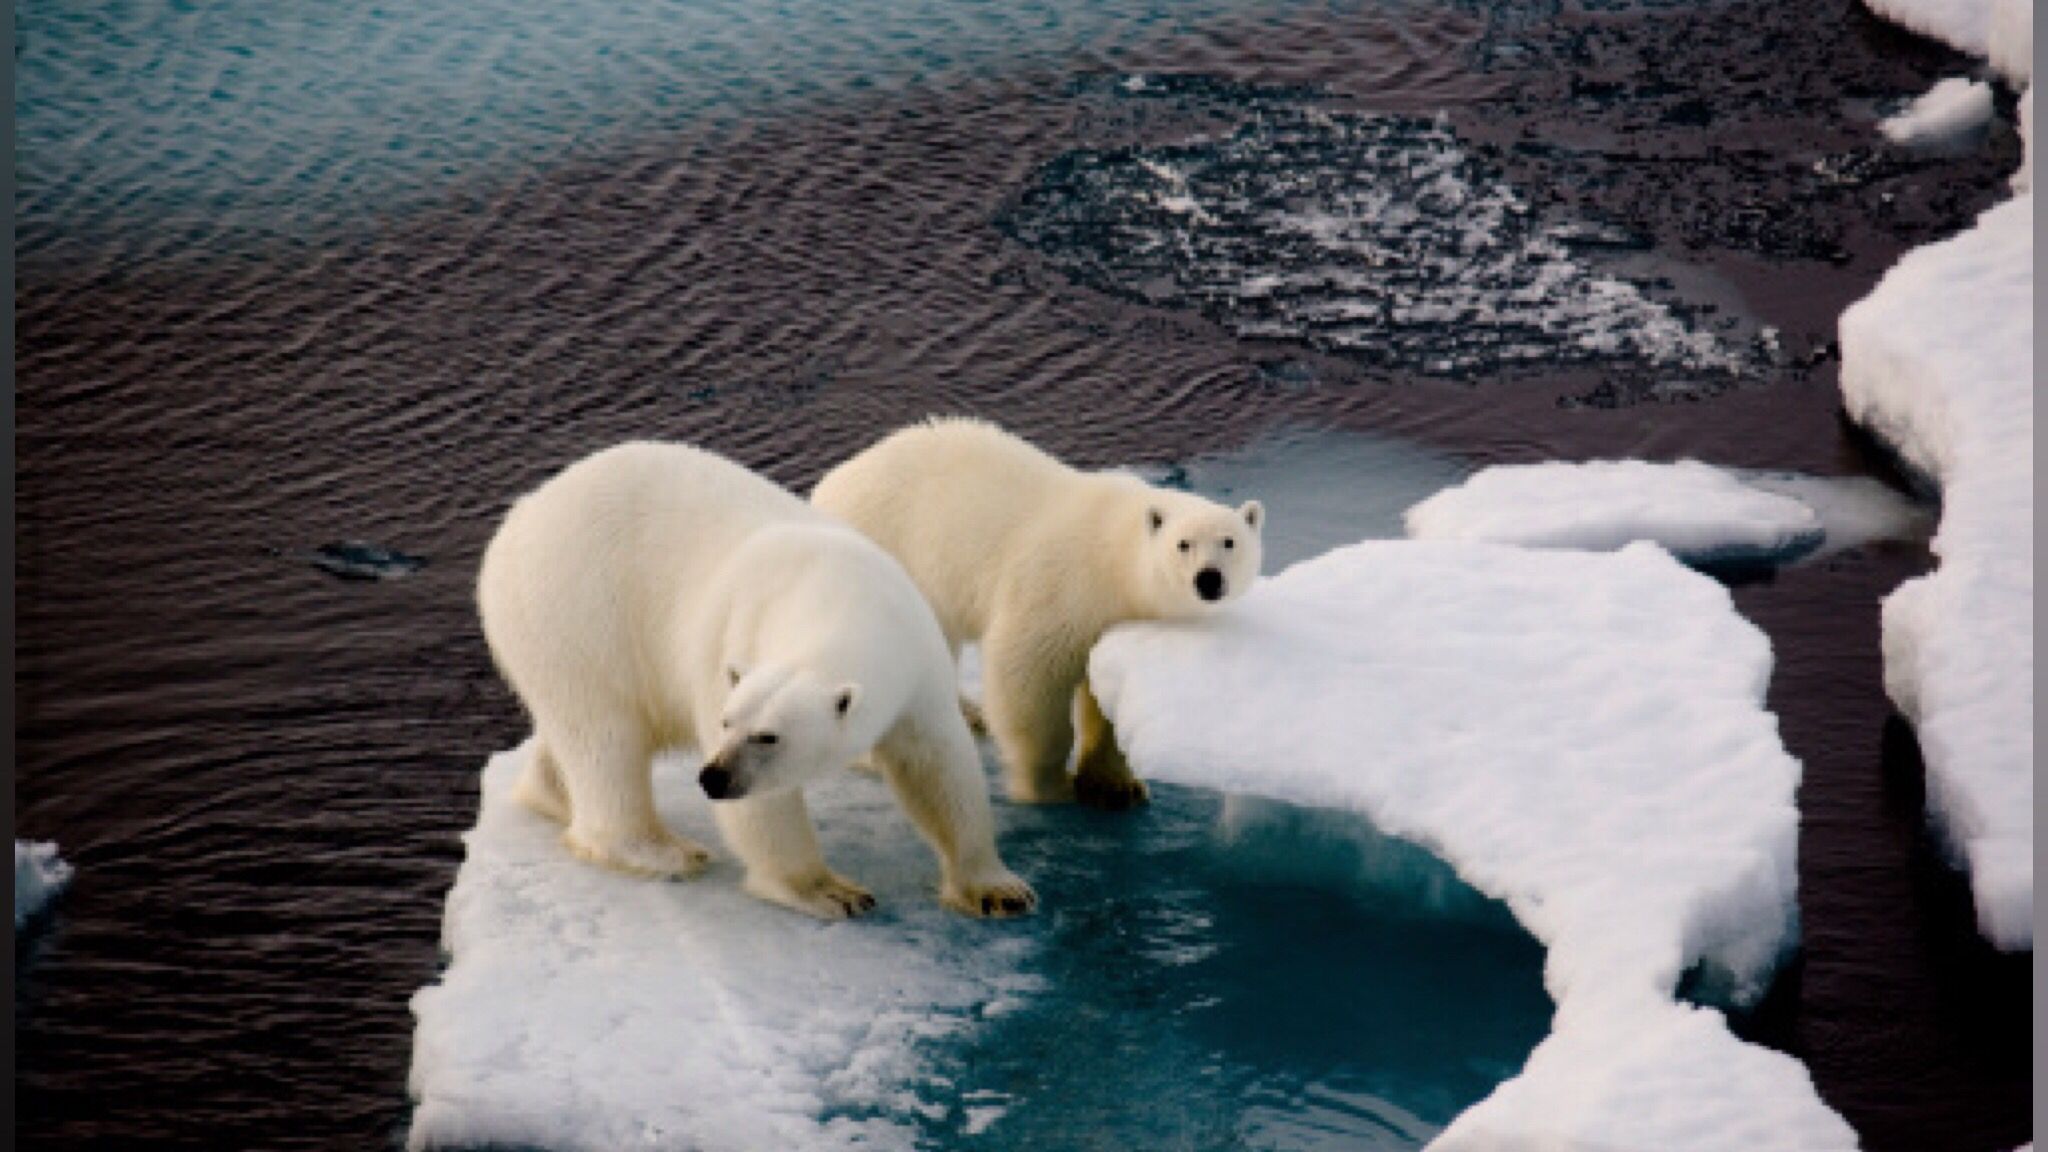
(1207, 971)
(1730, 521)
(1378, 237)
(1951, 114)
(1701, 514)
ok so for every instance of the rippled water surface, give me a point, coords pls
(305, 281)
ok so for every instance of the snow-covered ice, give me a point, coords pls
(2011, 46)
(39, 875)
(1953, 108)
(1581, 735)
(1702, 514)
(587, 1010)
(1938, 362)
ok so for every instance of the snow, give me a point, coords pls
(1702, 514)
(1953, 108)
(2023, 180)
(1581, 735)
(582, 1009)
(39, 875)
(2011, 47)
(1938, 362)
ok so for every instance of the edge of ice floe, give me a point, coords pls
(1958, 408)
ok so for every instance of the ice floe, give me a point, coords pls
(582, 1009)
(1702, 514)
(1938, 362)
(1581, 735)
(1953, 109)
(39, 875)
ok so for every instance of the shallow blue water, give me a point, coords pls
(1225, 972)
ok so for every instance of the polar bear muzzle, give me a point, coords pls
(716, 780)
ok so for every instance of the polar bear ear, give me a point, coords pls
(732, 675)
(844, 700)
(1253, 512)
(1153, 518)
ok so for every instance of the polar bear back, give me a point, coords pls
(956, 500)
(590, 572)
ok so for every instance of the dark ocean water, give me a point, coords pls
(295, 275)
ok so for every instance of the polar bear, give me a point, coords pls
(655, 596)
(1035, 560)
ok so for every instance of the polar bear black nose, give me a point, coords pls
(1209, 583)
(715, 781)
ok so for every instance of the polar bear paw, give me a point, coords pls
(668, 857)
(1111, 793)
(1000, 895)
(827, 896)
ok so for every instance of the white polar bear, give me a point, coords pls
(656, 596)
(1036, 560)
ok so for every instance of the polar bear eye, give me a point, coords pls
(1185, 546)
(763, 738)
(1229, 543)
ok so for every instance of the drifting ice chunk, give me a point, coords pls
(1702, 514)
(1581, 735)
(1953, 108)
(1938, 361)
(39, 875)
(582, 1009)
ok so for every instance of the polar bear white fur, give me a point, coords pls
(655, 596)
(1035, 560)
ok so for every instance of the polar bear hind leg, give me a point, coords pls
(1030, 714)
(1103, 777)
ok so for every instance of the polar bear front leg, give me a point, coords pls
(937, 779)
(1103, 777)
(609, 781)
(1028, 697)
(773, 836)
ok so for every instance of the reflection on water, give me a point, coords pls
(1228, 972)
(226, 122)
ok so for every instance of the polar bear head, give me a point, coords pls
(1198, 554)
(781, 728)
